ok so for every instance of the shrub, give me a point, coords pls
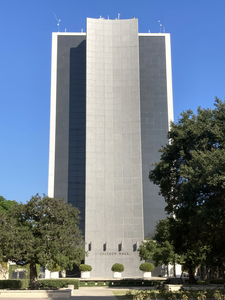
(14, 284)
(85, 268)
(147, 267)
(91, 283)
(101, 283)
(57, 283)
(122, 282)
(117, 268)
(54, 268)
(203, 282)
(217, 281)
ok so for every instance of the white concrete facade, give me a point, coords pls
(113, 146)
(128, 107)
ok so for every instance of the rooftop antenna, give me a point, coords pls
(160, 24)
(57, 21)
(118, 16)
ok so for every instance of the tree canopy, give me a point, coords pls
(191, 178)
(6, 205)
(159, 249)
(44, 231)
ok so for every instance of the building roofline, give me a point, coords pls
(84, 33)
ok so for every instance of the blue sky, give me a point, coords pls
(198, 63)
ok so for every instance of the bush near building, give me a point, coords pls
(117, 268)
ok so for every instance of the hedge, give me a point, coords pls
(58, 283)
(14, 284)
(216, 281)
(17, 284)
(117, 283)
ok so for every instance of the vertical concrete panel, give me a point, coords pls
(114, 210)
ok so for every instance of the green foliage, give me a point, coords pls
(169, 295)
(219, 295)
(190, 176)
(162, 233)
(85, 268)
(6, 205)
(26, 269)
(143, 294)
(217, 281)
(101, 283)
(57, 283)
(91, 283)
(117, 268)
(43, 231)
(211, 281)
(147, 267)
(53, 267)
(38, 268)
(202, 282)
(18, 284)
(122, 282)
(14, 284)
(147, 249)
(160, 250)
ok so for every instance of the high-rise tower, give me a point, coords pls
(111, 104)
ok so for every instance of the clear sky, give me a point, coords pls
(197, 31)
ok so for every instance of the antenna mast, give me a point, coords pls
(160, 24)
(57, 21)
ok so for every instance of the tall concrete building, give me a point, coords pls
(111, 104)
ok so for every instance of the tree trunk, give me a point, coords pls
(221, 270)
(174, 270)
(192, 279)
(33, 276)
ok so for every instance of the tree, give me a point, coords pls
(147, 249)
(6, 205)
(44, 231)
(191, 178)
(159, 249)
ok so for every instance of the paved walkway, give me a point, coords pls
(84, 293)
(87, 293)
